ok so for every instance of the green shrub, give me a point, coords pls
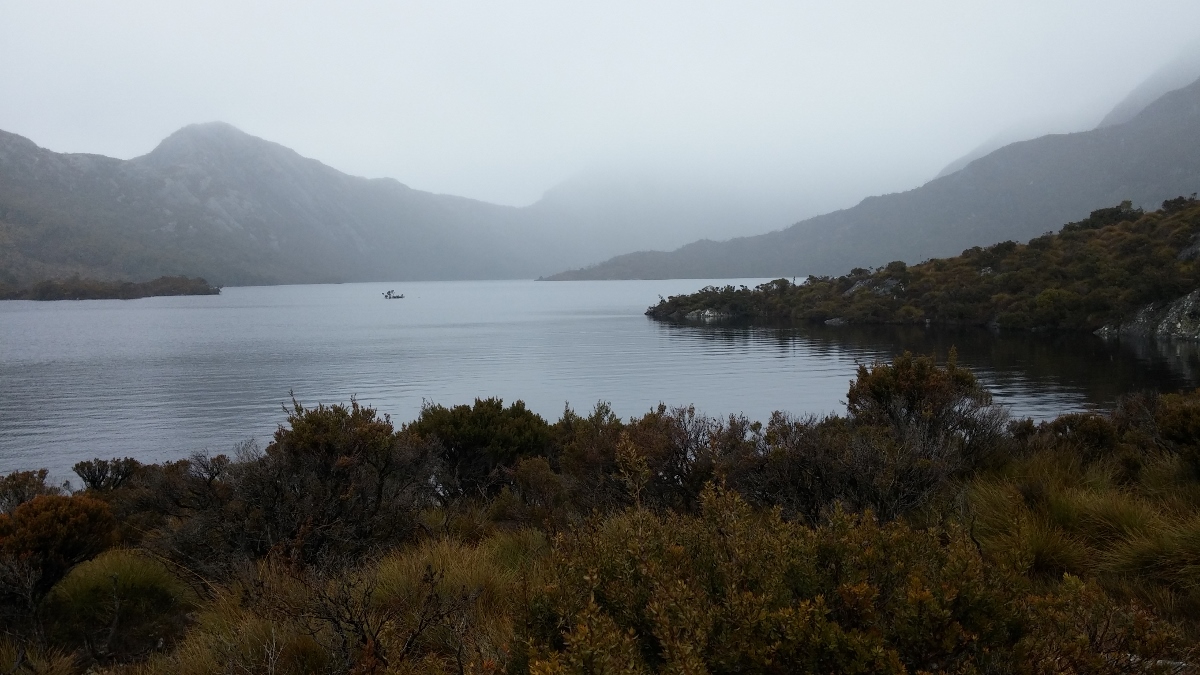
(230, 637)
(119, 606)
(734, 590)
(1178, 419)
(476, 440)
(1079, 629)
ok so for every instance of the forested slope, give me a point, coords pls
(1096, 272)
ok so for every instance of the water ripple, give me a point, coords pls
(162, 377)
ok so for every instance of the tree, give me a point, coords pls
(476, 440)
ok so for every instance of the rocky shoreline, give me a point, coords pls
(1176, 320)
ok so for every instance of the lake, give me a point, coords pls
(160, 378)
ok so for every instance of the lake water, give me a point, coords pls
(160, 378)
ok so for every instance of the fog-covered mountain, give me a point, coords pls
(1174, 75)
(636, 210)
(1016, 192)
(213, 201)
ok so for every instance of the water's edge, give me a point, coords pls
(160, 378)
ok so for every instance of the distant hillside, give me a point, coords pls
(75, 288)
(1105, 270)
(213, 201)
(1174, 75)
(1016, 192)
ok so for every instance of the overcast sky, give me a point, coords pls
(503, 100)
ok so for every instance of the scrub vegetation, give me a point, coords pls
(76, 288)
(922, 531)
(1096, 272)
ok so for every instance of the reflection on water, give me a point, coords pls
(1036, 375)
(162, 377)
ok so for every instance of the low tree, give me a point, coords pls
(19, 487)
(476, 440)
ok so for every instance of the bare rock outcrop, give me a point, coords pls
(1176, 320)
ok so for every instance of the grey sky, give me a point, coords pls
(503, 100)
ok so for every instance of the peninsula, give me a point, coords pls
(1119, 271)
(76, 288)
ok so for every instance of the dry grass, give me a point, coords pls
(18, 658)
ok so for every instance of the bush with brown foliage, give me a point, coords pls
(40, 541)
(19, 487)
(733, 590)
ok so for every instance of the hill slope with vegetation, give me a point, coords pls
(1016, 192)
(213, 201)
(922, 531)
(1098, 272)
(75, 288)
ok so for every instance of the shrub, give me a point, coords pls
(1178, 419)
(19, 487)
(913, 428)
(1079, 629)
(476, 440)
(231, 637)
(734, 590)
(922, 402)
(104, 474)
(337, 481)
(52, 533)
(119, 606)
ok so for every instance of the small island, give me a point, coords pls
(76, 288)
(1121, 271)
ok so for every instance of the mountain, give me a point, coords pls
(215, 202)
(1177, 74)
(1016, 192)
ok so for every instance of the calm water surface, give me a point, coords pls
(161, 378)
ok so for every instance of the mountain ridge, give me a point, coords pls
(1016, 192)
(211, 200)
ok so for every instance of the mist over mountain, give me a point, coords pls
(1016, 192)
(1174, 75)
(637, 210)
(1014, 134)
(213, 201)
